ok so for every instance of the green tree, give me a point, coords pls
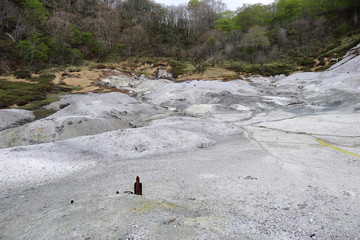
(287, 10)
(81, 38)
(193, 4)
(33, 50)
(36, 12)
(255, 40)
(252, 15)
(350, 8)
(227, 22)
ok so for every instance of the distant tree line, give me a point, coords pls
(43, 33)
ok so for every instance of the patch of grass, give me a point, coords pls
(339, 48)
(177, 67)
(99, 66)
(232, 77)
(322, 68)
(18, 93)
(39, 104)
(45, 78)
(72, 69)
(42, 113)
(76, 88)
(100, 90)
(21, 93)
(270, 69)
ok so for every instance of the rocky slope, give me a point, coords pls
(275, 158)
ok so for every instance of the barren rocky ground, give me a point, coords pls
(274, 158)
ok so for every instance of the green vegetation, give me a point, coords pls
(38, 34)
(282, 37)
(21, 93)
(37, 107)
(23, 74)
(341, 47)
(269, 69)
(178, 67)
(253, 15)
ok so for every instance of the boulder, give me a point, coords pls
(163, 74)
(119, 81)
(81, 115)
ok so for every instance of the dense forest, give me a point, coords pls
(38, 34)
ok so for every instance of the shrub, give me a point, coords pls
(23, 73)
(270, 69)
(21, 93)
(177, 68)
(45, 78)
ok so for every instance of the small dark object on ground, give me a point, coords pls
(138, 186)
(72, 201)
(117, 192)
(169, 221)
(312, 235)
(250, 178)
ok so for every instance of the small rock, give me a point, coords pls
(143, 78)
(169, 221)
(201, 146)
(250, 178)
(163, 74)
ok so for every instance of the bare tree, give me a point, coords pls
(12, 21)
(135, 40)
(203, 14)
(105, 25)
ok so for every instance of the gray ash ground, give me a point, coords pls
(277, 158)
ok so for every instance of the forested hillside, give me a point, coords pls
(37, 34)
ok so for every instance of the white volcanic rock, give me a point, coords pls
(150, 85)
(198, 92)
(81, 115)
(10, 118)
(120, 81)
(350, 63)
(38, 163)
(344, 76)
(163, 74)
(286, 166)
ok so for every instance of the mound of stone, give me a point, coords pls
(183, 95)
(10, 118)
(80, 115)
(343, 76)
(51, 160)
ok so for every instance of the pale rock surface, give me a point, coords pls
(163, 74)
(10, 118)
(85, 114)
(119, 81)
(277, 158)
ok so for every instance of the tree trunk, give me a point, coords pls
(356, 16)
(11, 37)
